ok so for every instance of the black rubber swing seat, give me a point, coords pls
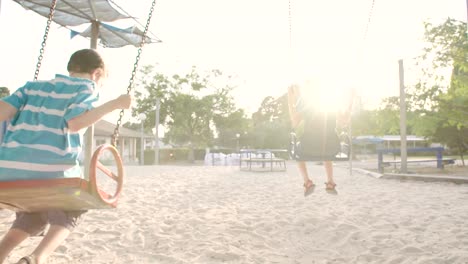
(321, 140)
(64, 193)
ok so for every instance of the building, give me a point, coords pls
(127, 143)
(369, 144)
(394, 141)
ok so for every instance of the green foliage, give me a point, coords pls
(4, 92)
(229, 126)
(270, 125)
(194, 106)
(189, 119)
(441, 106)
(383, 121)
(388, 117)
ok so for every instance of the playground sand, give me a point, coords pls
(455, 170)
(198, 214)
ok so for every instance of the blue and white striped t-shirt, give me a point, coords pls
(3, 126)
(37, 143)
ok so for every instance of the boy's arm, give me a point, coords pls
(92, 116)
(7, 112)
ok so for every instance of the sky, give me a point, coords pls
(249, 40)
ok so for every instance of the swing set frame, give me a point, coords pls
(72, 193)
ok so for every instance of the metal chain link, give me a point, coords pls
(371, 11)
(290, 24)
(115, 136)
(291, 49)
(44, 39)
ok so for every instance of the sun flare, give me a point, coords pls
(326, 94)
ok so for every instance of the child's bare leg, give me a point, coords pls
(53, 238)
(329, 171)
(12, 239)
(330, 184)
(309, 186)
(303, 170)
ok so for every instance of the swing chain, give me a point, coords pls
(366, 30)
(115, 136)
(290, 23)
(44, 39)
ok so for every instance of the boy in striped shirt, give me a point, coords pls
(44, 140)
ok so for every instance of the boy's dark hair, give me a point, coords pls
(4, 92)
(85, 61)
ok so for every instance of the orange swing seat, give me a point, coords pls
(65, 193)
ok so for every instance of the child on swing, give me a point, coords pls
(44, 140)
(298, 108)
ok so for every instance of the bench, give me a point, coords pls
(438, 150)
(251, 156)
(445, 161)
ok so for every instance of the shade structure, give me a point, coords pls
(114, 37)
(70, 13)
(75, 12)
(71, 193)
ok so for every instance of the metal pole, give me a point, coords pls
(89, 135)
(350, 135)
(142, 147)
(94, 34)
(403, 147)
(156, 133)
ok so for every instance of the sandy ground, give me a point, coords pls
(201, 214)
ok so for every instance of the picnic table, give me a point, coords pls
(260, 158)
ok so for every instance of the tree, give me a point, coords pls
(229, 126)
(192, 105)
(441, 106)
(382, 121)
(270, 125)
(387, 118)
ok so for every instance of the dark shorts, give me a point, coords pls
(35, 222)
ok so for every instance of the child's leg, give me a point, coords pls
(329, 171)
(61, 225)
(12, 239)
(309, 186)
(330, 184)
(24, 226)
(303, 170)
(52, 239)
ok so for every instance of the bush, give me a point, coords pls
(149, 157)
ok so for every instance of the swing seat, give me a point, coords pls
(64, 193)
(320, 141)
(303, 152)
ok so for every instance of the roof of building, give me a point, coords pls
(398, 138)
(106, 129)
(370, 139)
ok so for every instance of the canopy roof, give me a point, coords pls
(75, 12)
(114, 37)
